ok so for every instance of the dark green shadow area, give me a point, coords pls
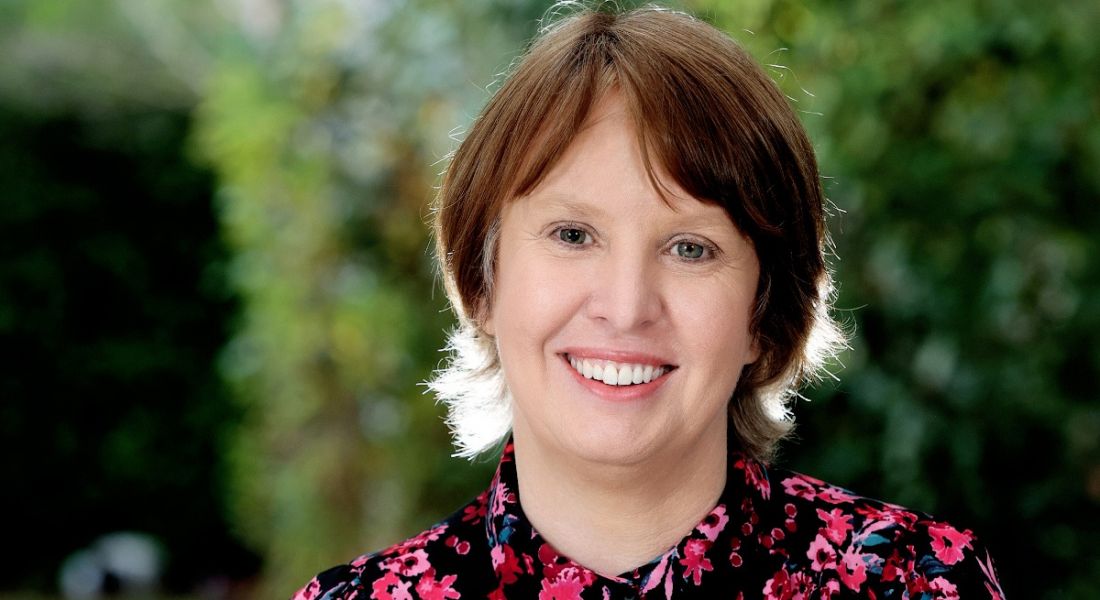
(113, 307)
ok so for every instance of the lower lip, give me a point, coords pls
(622, 393)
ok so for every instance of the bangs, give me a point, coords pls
(691, 110)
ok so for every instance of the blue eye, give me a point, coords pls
(689, 250)
(572, 235)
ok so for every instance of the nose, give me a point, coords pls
(625, 292)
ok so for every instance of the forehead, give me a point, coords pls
(606, 160)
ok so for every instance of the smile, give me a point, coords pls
(617, 373)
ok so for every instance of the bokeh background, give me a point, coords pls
(217, 296)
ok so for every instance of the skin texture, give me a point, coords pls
(594, 261)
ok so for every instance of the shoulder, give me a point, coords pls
(859, 544)
(430, 563)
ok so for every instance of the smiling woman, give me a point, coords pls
(633, 238)
(618, 280)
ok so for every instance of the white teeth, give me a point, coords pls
(611, 373)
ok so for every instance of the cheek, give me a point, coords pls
(534, 299)
(716, 325)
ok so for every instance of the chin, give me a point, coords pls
(613, 444)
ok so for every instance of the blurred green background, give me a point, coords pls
(217, 296)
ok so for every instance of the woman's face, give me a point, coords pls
(595, 275)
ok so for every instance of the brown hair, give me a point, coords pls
(718, 126)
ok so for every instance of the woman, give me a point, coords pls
(632, 235)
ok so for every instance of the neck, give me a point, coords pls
(614, 518)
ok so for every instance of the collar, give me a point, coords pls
(522, 558)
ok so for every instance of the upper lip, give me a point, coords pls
(619, 356)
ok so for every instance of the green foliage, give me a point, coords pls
(324, 136)
(962, 149)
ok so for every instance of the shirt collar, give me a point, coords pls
(518, 552)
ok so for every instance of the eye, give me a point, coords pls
(689, 250)
(572, 236)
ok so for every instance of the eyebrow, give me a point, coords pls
(566, 201)
(569, 203)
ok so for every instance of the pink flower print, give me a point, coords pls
(776, 587)
(852, 570)
(916, 584)
(499, 500)
(477, 511)
(735, 557)
(309, 592)
(428, 588)
(946, 589)
(409, 565)
(461, 547)
(948, 542)
(801, 586)
(714, 523)
(991, 584)
(872, 528)
(421, 540)
(556, 566)
(822, 554)
(835, 495)
(695, 560)
(890, 513)
(390, 587)
(364, 559)
(754, 476)
(837, 525)
(799, 487)
(505, 563)
(552, 562)
(788, 586)
(658, 572)
(566, 587)
(892, 569)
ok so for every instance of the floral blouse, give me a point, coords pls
(774, 534)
